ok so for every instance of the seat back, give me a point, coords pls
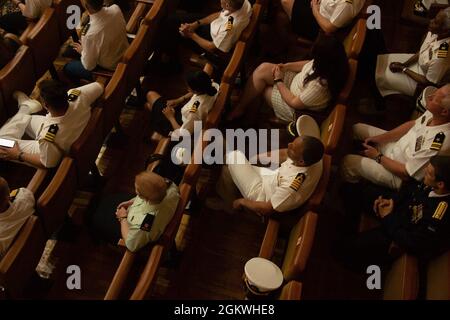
(53, 204)
(86, 148)
(402, 280)
(214, 116)
(299, 246)
(62, 16)
(318, 195)
(234, 65)
(18, 74)
(157, 12)
(137, 17)
(291, 291)
(21, 259)
(331, 128)
(44, 42)
(114, 97)
(354, 40)
(135, 57)
(249, 32)
(348, 87)
(438, 278)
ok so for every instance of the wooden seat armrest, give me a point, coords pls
(36, 182)
(269, 240)
(120, 276)
(291, 291)
(101, 72)
(146, 1)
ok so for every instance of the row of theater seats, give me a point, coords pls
(52, 205)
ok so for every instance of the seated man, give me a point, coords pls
(51, 135)
(265, 191)
(142, 219)
(216, 33)
(16, 22)
(415, 221)
(103, 41)
(15, 208)
(390, 157)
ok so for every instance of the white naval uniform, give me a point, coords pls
(37, 127)
(414, 149)
(225, 36)
(433, 63)
(287, 187)
(340, 12)
(105, 39)
(315, 94)
(427, 3)
(11, 220)
(35, 8)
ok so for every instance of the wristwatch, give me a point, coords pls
(277, 80)
(378, 157)
(121, 218)
(404, 69)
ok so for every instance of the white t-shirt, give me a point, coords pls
(225, 36)
(35, 8)
(105, 39)
(14, 217)
(69, 126)
(340, 12)
(315, 94)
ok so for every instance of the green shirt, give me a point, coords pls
(162, 212)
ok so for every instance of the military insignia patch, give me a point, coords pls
(438, 141)
(51, 133)
(229, 24)
(85, 29)
(440, 210)
(194, 107)
(349, 1)
(423, 120)
(419, 143)
(13, 194)
(73, 94)
(297, 182)
(443, 50)
(148, 222)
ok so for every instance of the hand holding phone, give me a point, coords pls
(6, 143)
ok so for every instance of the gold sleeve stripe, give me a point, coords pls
(440, 210)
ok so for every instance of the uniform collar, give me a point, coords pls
(433, 194)
(246, 7)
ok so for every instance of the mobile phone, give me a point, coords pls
(6, 143)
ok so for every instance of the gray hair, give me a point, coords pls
(446, 100)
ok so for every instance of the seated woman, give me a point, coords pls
(309, 17)
(16, 22)
(307, 84)
(142, 219)
(9, 43)
(426, 67)
(168, 116)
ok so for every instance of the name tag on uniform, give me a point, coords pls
(419, 143)
(148, 222)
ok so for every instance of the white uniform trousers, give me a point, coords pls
(356, 167)
(395, 83)
(241, 174)
(23, 123)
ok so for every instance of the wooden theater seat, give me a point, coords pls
(87, 147)
(234, 65)
(314, 202)
(18, 74)
(20, 261)
(291, 291)
(44, 42)
(348, 87)
(161, 149)
(354, 41)
(331, 128)
(402, 280)
(137, 17)
(214, 116)
(53, 204)
(249, 32)
(60, 7)
(438, 278)
(299, 246)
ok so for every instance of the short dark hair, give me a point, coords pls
(312, 150)
(236, 4)
(441, 165)
(54, 93)
(96, 5)
(200, 82)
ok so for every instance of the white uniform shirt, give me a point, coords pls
(105, 40)
(14, 217)
(340, 12)
(197, 109)
(35, 8)
(315, 93)
(414, 149)
(70, 125)
(290, 186)
(434, 62)
(224, 39)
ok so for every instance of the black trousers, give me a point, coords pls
(13, 22)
